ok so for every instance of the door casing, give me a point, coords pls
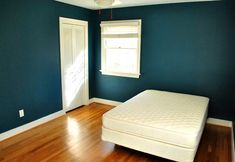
(62, 21)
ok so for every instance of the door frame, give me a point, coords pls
(63, 20)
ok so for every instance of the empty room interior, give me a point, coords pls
(117, 80)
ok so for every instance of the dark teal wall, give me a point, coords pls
(30, 58)
(187, 47)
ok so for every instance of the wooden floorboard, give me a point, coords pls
(76, 137)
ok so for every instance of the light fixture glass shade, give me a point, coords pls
(104, 3)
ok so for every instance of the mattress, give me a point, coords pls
(171, 118)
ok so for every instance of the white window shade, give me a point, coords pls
(119, 29)
(120, 42)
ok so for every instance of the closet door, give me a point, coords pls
(73, 65)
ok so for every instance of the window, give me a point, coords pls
(120, 48)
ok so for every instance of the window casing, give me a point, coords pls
(120, 48)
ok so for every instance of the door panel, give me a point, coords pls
(68, 47)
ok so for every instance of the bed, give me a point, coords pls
(160, 123)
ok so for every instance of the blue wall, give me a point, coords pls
(186, 48)
(30, 58)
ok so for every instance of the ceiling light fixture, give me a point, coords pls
(104, 3)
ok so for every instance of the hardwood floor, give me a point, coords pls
(76, 137)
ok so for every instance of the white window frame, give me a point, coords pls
(137, 23)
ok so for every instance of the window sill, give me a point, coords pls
(129, 75)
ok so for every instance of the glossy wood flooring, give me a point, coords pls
(76, 137)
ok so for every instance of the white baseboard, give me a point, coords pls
(220, 122)
(30, 125)
(233, 149)
(104, 101)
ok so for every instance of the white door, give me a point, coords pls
(74, 68)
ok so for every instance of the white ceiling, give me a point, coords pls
(90, 4)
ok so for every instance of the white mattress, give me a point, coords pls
(171, 118)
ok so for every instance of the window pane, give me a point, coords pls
(121, 43)
(121, 60)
